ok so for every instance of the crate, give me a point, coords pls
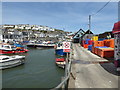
(85, 45)
(90, 47)
(90, 42)
(112, 43)
(96, 49)
(95, 38)
(87, 41)
(107, 42)
(95, 43)
(105, 52)
(100, 44)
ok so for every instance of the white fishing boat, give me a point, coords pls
(11, 61)
(7, 47)
(31, 44)
(48, 44)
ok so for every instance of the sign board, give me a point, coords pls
(66, 46)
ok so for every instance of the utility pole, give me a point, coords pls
(89, 22)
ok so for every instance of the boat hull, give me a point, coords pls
(44, 46)
(31, 45)
(12, 63)
(60, 52)
(11, 52)
(61, 66)
(60, 62)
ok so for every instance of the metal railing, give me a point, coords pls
(66, 78)
(64, 82)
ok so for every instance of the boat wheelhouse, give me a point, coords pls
(59, 49)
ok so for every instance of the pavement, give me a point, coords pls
(89, 70)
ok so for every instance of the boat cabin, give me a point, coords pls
(7, 47)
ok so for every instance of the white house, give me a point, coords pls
(28, 27)
(8, 26)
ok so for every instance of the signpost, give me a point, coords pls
(66, 46)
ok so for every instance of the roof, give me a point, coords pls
(79, 32)
(116, 28)
(71, 34)
(87, 32)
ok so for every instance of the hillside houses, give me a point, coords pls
(28, 27)
(27, 32)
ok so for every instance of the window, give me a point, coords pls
(7, 47)
(5, 58)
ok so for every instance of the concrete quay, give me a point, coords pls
(88, 71)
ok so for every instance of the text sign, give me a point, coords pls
(66, 50)
(66, 46)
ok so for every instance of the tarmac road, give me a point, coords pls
(89, 73)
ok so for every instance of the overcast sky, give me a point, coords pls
(70, 16)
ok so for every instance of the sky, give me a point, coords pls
(68, 16)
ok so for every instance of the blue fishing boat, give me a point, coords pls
(59, 49)
(20, 47)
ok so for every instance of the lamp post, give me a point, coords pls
(89, 22)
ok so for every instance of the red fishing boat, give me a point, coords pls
(60, 62)
(10, 49)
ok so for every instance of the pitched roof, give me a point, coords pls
(80, 31)
(87, 32)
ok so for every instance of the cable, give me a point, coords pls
(101, 8)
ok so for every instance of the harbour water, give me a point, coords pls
(39, 71)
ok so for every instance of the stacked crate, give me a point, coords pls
(90, 47)
(98, 44)
(104, 48)
(106, 52)
(95, 38)
(109, 43)
(101, 47)
(87, 42)
(95, 44)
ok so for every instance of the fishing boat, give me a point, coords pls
(11, 61)
(20, 47)
(7, 49)
(59, 49)
(31, 44)
(45, 44)
(10, 49)
(60, 62)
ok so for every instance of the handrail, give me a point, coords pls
(62, 83)
(65, 78)
(68, 68)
